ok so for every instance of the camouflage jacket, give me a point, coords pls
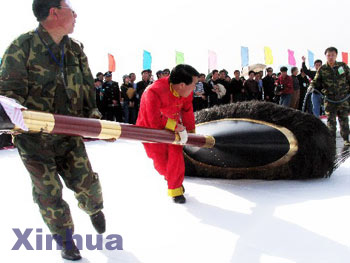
(333, 82)
(30, 75)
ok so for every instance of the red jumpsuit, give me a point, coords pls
(162, 108)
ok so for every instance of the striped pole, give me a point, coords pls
(101, 129)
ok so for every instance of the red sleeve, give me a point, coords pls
(187, 114)
(290, 82)
(278, 81)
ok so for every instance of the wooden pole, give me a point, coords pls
(101, 129)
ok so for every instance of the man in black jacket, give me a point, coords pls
(222, 80)
(315, 97)
(111, 99)
(304, 83)
(212, 92)
(238, 91)
(269, 85)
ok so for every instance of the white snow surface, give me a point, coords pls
(222, 221)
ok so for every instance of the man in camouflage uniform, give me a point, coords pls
(333, 80)
(45, 70)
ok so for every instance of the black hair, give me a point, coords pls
(224, 71)
(41, 8)
(131, 74)
(201, 75)
(144, 71)
(183, 74)
(159, 73)
(97, 80)
(236, 71)
(269, 68)
(214, 71)
(294, 69)
(250, 72)
(331, 49)
(283, 69)
(99, 74)
(167, 71)
(318, 61)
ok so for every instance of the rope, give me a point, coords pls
(333, 101)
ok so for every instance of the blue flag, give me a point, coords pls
(311, 58)
(147, 60)
(245, 56)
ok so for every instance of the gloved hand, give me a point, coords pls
(183, 137)
(95, 114)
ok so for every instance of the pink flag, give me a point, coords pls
(291, 58)
(212, 60)
(13, 111)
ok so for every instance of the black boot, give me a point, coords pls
(99, 222)
(70, 251)
(180, 199)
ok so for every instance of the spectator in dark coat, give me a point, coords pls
(128, 97)
(269, 85)
(252, 87)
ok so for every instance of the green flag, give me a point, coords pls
(180, 58)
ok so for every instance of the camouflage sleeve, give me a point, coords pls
(347, 72)
(316, 83)
(13, 72)
(89, 90)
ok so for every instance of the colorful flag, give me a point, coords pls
(111, 63)
(180, 58)
(147, 60)
(311, 57)
(345, 56)
(245, 56)
(268, 56)
(212, 60)
(291, 58)
(0, 60)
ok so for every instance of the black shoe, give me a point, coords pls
(180, 199)
(70, 251)
(99, 222)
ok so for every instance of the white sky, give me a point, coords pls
(126, 28)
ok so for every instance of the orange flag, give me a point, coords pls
(111, 63)
(345, 57)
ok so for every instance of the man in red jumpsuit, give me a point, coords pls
(167, 104)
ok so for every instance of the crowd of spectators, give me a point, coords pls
(121, 102)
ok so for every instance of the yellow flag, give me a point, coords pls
(268, 56)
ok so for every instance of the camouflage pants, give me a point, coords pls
(342, 111)
(49, 157)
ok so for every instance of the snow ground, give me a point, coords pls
(223, 221)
